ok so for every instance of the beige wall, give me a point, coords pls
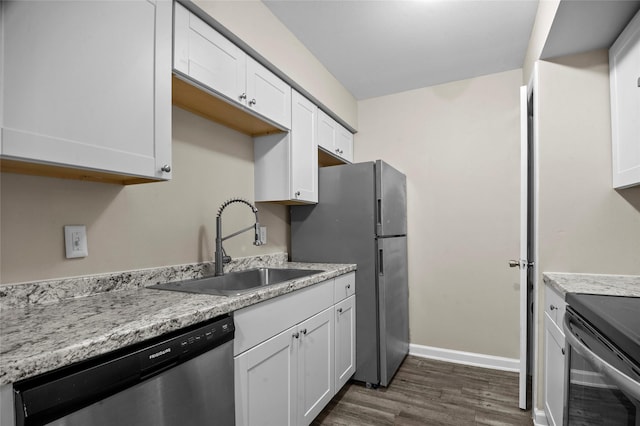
(585, 225)
(254, 24)
(139, 226)
(458, 144)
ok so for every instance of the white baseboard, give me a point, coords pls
(539, 418)
(466, 358)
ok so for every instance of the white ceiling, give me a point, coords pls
(379, 47)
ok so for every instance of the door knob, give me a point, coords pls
(514, 263)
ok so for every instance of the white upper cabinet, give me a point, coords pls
(87, 89)
(624, 63)
(267, 94)
(286, 165)
(209, 59)
(334, 138)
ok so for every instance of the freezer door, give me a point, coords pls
(391, 200)
(393, 305)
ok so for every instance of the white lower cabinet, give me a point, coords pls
(554, 357)
(286, 350)
(266, 378)
(345, 341)
(315, 365)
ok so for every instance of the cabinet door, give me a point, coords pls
(208, 57)
(267, 94)
(553, 372)
(344, 144)
(624, 63)
(88, 85)
(265, 382)
(315, 365)
(345, 341)
(327, 132)
(304, 150)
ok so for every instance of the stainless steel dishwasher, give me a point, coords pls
(184, 378)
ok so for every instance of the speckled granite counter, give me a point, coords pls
(44, 326)
(614, 285)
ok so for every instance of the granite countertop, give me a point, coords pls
(40, 337)
(612, 285)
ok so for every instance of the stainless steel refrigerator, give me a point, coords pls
(361, 218)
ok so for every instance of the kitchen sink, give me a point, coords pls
(235, 283)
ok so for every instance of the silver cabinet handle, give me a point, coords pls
(252, 102)
(166, 168)
(243, 96)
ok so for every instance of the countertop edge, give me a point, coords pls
(605, 284)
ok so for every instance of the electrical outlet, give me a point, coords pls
(263, 234)
(75, 241)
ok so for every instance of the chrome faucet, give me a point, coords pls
(220, 256)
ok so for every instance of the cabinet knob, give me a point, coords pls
(243, 96)
(252, 102)
(166, 168)
(337, 150)
(339, 310)
(296, 335)
(304, 331)
(297, 194)
(562, 351)
(552, 307)
(348, 286)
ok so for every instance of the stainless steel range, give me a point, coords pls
(603, 362)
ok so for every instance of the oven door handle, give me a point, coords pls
(621, 380)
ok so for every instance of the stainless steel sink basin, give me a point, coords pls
(235, 283)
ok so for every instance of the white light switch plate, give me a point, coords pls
(75, 241)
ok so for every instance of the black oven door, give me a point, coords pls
(602, 385)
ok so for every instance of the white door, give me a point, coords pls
(266, 382)
(523, 262)
(304, 149)
(267, 94)
(345, 341)
(315, 365)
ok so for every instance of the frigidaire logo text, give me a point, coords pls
(162, 352)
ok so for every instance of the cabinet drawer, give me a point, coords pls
(344, 286)
(257, 323)
(554, 306)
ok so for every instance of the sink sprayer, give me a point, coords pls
(221, 256)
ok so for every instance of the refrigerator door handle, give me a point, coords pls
(381, 262)
(379, 212)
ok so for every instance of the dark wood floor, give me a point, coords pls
(428, 392)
